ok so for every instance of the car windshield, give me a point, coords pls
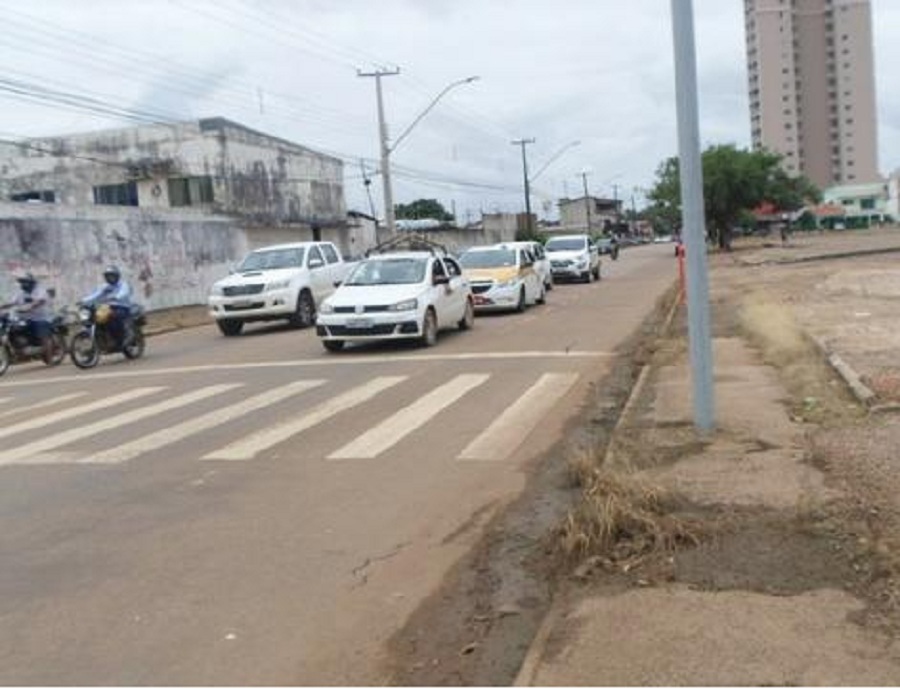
(273, 259)
(488, 259)
(376, 272)
(565, 244)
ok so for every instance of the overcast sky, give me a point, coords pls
(598, 72)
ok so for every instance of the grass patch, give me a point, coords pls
(622, 520)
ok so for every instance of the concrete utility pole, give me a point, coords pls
(587, 201)
(693, 222)
(523, 143)
(389, 218)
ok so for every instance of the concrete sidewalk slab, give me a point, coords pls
(680, 637)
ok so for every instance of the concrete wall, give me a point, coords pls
(262, 179)
(170, 260)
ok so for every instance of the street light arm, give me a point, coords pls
(431, 105)
(553, 158)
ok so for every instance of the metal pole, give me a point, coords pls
(523, 143)
(693, 222)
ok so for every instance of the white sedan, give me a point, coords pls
(401, 295)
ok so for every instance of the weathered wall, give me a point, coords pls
(259, 178)
(169, 259)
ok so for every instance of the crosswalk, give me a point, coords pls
(68, 428)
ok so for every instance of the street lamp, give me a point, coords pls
(387, 149)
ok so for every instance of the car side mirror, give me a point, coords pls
(316, 263)
(232, 269)
(337, 284)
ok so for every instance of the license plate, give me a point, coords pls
(359, 323)
(241, 304)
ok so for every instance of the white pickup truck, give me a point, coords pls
(277, 282)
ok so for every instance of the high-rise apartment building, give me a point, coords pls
(812, 87)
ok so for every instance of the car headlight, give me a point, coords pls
(278, 285)
(326, 308)
(511, 283)
(217, 290)
(84, 314)
(405, 305)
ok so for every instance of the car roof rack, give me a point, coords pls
(409, 242)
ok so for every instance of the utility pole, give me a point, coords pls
(616, 206)
(523, 143)
(587, 201)
(389, 218)
(693, 223)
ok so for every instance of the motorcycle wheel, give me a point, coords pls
(5, 359)
(85, 352)
(135, 346)
(59, 350)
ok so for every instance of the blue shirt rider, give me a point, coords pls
(116, 293)
(33, 303)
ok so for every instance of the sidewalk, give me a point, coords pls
(796, 583)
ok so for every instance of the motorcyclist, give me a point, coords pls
(115, 292)
(33, 303)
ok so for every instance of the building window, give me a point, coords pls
(117, 195)
(34, 196)
(190, 191)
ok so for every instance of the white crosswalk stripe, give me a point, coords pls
(498, 438)
(135, 448)
(69, 413)
(30, 453)
(508, 431)
(403, 422)
(65, 398)
(250, 446)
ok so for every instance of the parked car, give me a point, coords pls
(397, 295)
(277, 282)
(503, 277)
(573, 256)
(541, 263)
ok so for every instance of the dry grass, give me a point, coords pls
(817, 395)
(622, 519)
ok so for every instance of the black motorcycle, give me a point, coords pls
(95, 337)
(17, 344)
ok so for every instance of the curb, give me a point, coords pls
(820, 257)
(860, 391)
(535, 652)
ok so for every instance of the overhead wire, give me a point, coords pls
(185, 80)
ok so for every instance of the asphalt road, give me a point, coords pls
(255, 511)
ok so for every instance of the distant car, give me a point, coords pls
(502, 277)
(608, 245)
(397, 295)
(541, 263)
(662, 238)
(573, 256)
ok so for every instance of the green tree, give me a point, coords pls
(423, 208)
(735, 181)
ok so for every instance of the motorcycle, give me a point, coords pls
(95, 339)
(17, 345)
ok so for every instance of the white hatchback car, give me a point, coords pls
(399, 295)
(573, 256)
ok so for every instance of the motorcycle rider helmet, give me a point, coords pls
(27, 281)
(111, 274)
